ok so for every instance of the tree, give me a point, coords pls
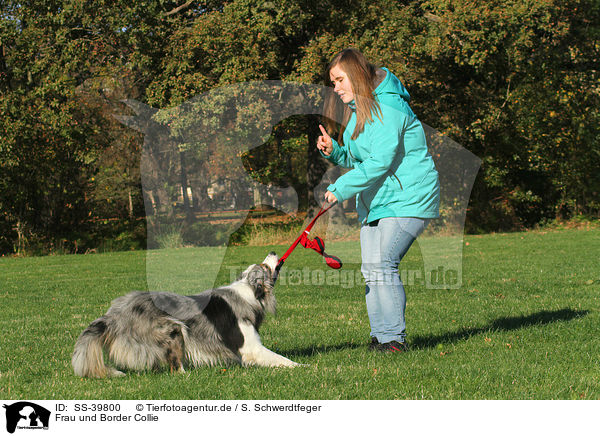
(515, 83)
(52, 137)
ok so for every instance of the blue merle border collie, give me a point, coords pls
(150, 330)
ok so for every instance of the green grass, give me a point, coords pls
(523, 326)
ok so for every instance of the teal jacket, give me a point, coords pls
(393, 174)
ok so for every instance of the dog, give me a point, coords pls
(151, 330)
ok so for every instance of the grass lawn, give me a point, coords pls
(523, 326)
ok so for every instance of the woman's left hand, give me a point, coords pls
(329, 197)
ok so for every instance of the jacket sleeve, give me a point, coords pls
(386, 144)
(339, 155)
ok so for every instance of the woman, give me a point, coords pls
(393, 177)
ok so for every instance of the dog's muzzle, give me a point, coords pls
(271, 261)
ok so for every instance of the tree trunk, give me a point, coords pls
(130, 203)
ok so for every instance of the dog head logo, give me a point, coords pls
(26, 415)
(192, 172)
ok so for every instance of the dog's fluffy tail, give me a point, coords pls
(88, 359)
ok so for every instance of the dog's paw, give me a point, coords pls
(115, 373)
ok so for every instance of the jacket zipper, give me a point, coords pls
(400, 183)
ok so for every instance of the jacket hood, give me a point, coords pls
(391, 85)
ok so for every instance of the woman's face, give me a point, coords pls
(341, 84)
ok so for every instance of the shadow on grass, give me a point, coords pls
(422, 342)
(499, 325)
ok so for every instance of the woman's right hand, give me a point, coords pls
(324, 142)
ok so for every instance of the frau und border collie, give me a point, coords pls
(149, 330)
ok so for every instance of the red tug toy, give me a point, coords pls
(316, 244)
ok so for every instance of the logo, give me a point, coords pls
(25, 415)
(213, 133)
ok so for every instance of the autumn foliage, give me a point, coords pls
(514, 82)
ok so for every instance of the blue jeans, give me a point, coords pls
(383, 244)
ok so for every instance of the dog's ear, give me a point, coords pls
(259, 290)
(256, 279)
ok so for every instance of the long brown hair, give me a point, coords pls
(361, 74)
